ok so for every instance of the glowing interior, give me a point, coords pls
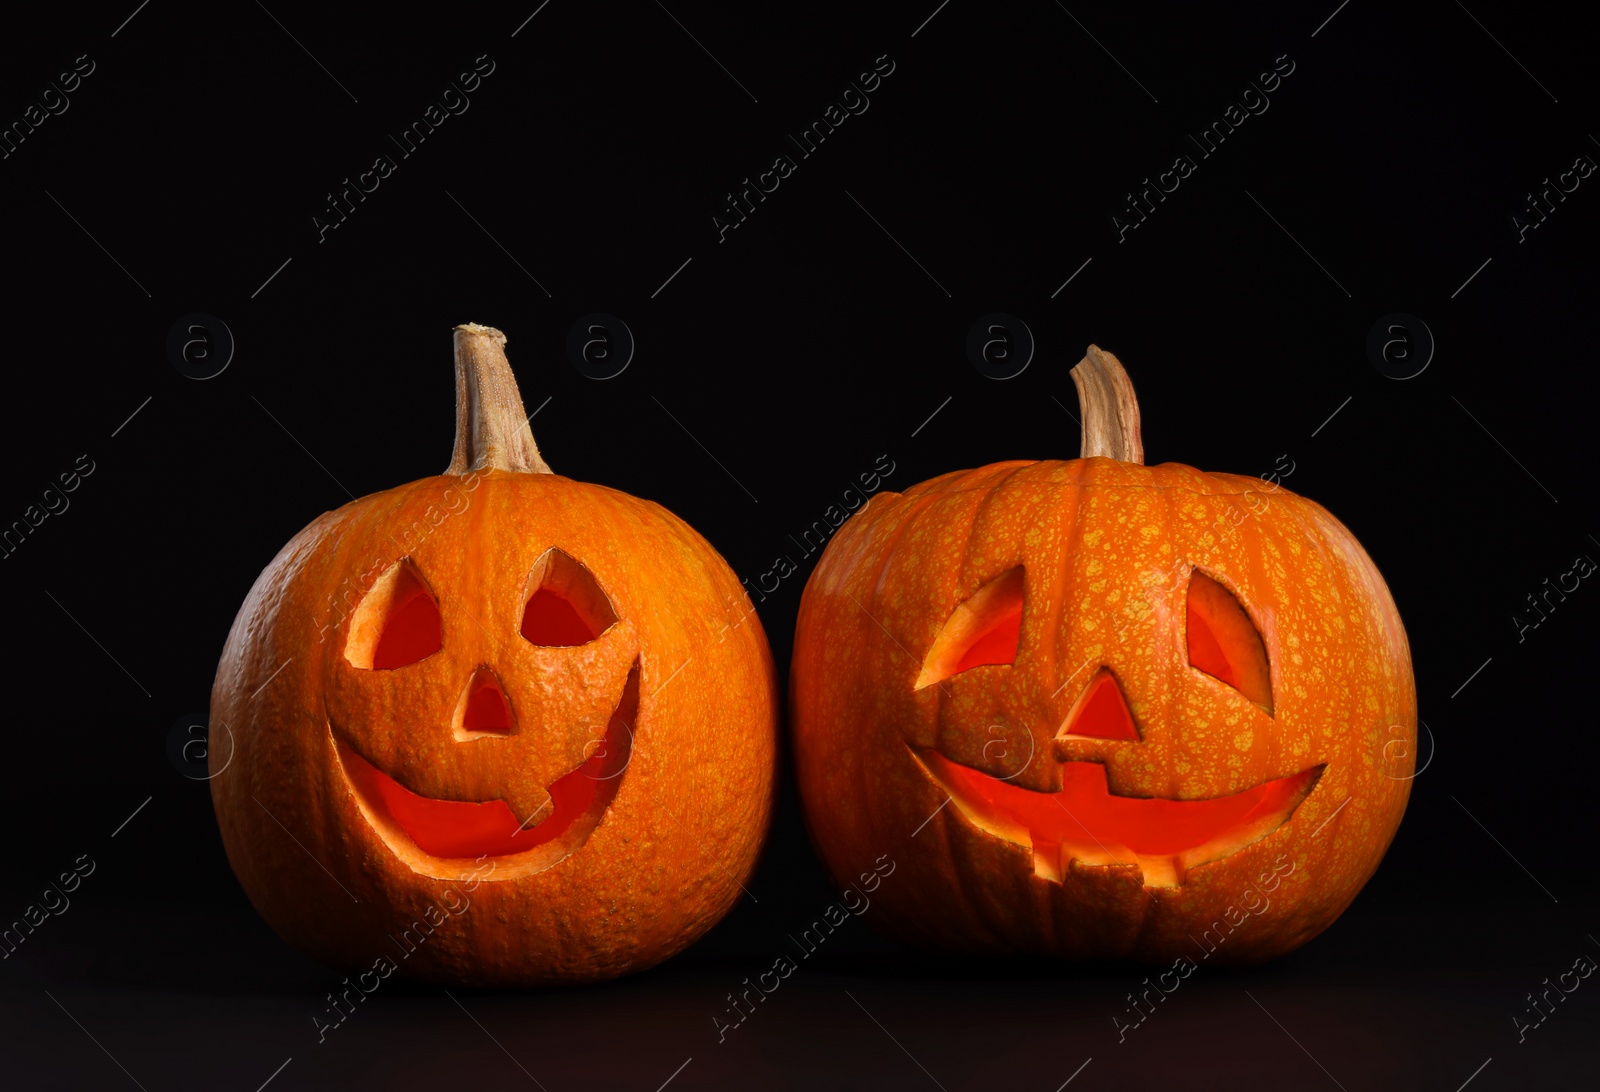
(1084, 821)
(486, 712)
(1102, 712)
(1224, 643)
(396, 623)
(464, 828)
(983, 630)
(565, 606)
(998, 643)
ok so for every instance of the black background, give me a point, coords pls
(797, 351)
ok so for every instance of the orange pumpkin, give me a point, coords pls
(495, 726)
(1095, 709)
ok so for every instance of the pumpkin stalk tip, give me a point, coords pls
(492, 431)
(486, 331)
(1110, 410)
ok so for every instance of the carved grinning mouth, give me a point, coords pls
(471, 829)
(1085, 821)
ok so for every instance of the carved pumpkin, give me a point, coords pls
(495, 726)
(1095, 709)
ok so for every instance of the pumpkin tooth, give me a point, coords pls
(1049, 862)
(1162, 871)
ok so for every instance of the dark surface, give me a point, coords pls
(797, 351)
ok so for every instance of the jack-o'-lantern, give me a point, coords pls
(495, 726)
(1101, 710)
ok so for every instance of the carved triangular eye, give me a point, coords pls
(565, 606)
(396, 622)
(1224, 642)
(984, 630)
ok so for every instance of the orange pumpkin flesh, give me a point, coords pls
(527, 720)
(1095, 709)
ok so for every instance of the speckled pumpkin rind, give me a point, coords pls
(1107, 549)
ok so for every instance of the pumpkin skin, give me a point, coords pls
(673, 808)
(891, 763)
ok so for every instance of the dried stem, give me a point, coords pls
(492, 430)
(1110, 411)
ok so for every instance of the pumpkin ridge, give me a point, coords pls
(991, 497)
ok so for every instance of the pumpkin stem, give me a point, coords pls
(1110, 411)
(492, 430)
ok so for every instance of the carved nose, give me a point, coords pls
(483, 709)
(1100, 713)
